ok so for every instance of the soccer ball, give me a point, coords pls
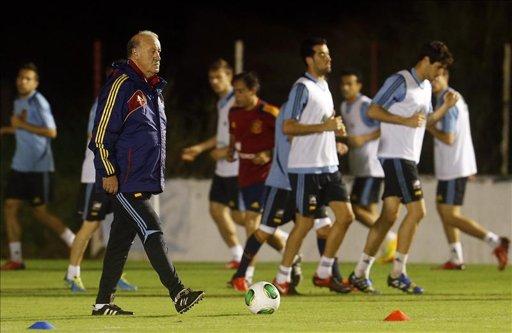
(262, 298)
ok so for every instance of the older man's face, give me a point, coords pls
(147, 55)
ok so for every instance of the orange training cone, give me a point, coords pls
(397, 315)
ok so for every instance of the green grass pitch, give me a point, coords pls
(476, 300)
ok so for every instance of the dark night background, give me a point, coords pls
(60, 42)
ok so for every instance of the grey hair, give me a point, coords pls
(135, 41)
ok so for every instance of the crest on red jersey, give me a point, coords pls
(257, 127)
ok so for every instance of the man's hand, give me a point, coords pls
(342, 132)
(262, 157)
(110, 184)
(333, 124)
(219, 153)
(416, 120)
(17, 121)
(451, 98)
(189, 154)
(341, 148)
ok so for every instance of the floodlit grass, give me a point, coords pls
(476, 300)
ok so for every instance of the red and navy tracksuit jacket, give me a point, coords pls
(128, 138)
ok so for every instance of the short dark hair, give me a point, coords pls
(30, 66)
(221, 64)
(250, 79)
(436, 51)
(307, 45)
(352, 71)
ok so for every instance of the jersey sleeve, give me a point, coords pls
(392, 91)
(449, 121)
(297, 101)
(364, 115)
(48, 120)
(45, 112)
(270, 114)
(108, 124)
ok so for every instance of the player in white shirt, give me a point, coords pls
(454, 162)
(225, 204)
(403, 106)
(363, 139)
(313, 165)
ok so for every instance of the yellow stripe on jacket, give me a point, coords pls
(105, 118)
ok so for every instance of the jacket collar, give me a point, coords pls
(130, 68)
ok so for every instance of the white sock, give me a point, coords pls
(399, 265)
(364, 265)
(68, 237)
(456, 253)
(282, 234)
(15, 250)
(249, 274)
(284, 274)
(237, 251)
(324, 268)
(492, 239)
(73, 271)
(99, 306)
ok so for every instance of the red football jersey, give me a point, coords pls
(254, 132)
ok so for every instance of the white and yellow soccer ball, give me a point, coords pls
(262, 298)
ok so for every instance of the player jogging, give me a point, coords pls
(251, 126)
(278, 209)
(363, 139)
(225, 205)
(31, 177)
(402, 105)
(454, 163)
(313, 165)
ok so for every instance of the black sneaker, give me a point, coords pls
(186, 299)
(296, 271)
(110, 310)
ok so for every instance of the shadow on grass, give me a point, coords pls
(428, 297)
(134, 317)
(226, 315)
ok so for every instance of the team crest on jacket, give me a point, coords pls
(256, 127)
(137, 100)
